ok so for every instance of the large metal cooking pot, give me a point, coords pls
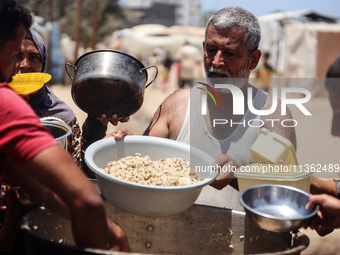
(199, 230)
(58, 128)
(109, 82)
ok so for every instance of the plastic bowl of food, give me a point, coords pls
(277, 208)
(141, 199)
(27, 83)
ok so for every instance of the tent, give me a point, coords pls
(141, 41)
(310, 49)
(302, 44)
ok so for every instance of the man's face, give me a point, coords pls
(334, 99)
(28, 59)
(225, 55)
(8, 55)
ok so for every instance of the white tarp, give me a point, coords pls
(273, 35)
(140, 41)
(278, 29)
(143, 46)
(301, 42)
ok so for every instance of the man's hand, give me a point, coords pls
(114, 120)
(118, 240)
(225, 164)
(328, 216)
(119, 134)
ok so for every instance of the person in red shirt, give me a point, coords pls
(31, 158)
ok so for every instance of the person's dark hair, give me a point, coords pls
(231, 17)
(12, 14)
(333, 72)
(266, 54)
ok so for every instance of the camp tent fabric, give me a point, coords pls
(272, 38)
(149, 29)
(309, 51)
(140, 41)
(277, 30)
(143, 46)
(301, 42)
(187, 30)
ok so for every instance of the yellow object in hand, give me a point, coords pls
(27, 83)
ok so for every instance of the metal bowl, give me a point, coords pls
(142, 199)
(59, 129)
(277, 208)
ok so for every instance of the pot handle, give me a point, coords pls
(74, 69)
(53, 119)
(141, 70)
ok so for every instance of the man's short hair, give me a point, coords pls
(12, 14)
(231, 17)
(333, 72)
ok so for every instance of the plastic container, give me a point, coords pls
(270, 147)
(267, 150)
(257, 174)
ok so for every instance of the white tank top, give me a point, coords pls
(237, 145)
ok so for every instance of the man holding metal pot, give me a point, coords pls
(31, 158)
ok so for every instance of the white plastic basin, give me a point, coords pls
(144, 199)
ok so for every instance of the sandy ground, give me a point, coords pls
(315, 143)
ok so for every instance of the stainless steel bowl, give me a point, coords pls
(59, 129)
(277, 208)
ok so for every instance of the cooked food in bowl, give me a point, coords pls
(143, 170)
(148, 200)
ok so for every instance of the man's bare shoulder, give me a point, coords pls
(177, 99)
(170, 115)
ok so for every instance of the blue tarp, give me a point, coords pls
(56, 60)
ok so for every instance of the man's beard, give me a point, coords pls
(242, 73)
(238, 79)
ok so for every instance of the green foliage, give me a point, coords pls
(110, 16)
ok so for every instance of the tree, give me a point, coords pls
(111, 16)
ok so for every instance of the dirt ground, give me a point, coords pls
(315, 144)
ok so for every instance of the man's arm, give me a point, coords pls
(56, 170)
(38, 192)
(319, 186)
(169, 117)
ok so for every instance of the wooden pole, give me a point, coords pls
(77, 23)
(95, 10)
(51, 10)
